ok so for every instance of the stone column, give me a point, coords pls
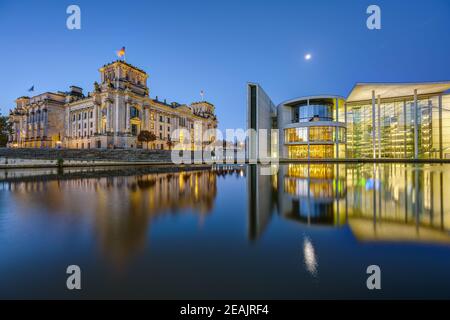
(108, 116)
(99, 119)
(144, 118)
(95, 114)
(45, 122)
(116, 116)
(127, 118)
(68, 122)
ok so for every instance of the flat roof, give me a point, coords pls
(323, 96)
(363, 91)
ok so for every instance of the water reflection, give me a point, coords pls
(379, 202)
(309, 231)
(310, 256)
(120, 208)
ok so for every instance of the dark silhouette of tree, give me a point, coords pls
(169, 142)
(146, 136)
(5, 130)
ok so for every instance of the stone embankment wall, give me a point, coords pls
(115, 155)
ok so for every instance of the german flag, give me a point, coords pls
(121, 52)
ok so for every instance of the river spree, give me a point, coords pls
(307, 231)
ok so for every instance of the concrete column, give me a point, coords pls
(336, 129)
(440, 128)
(379, 126)
(431, 154)
(345, 121)
(416, 127)
(373, 124)
(404, 128)
(307, 134)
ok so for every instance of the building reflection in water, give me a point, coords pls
(121, 208)
(378, 202)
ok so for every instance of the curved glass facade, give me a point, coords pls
(293, 135)
(314, 134)
(317, 134)
(316, 110)
(316, 151)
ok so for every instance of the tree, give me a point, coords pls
(5, 130)
(169, 142)
(146, 136)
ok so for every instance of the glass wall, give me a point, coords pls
(316, 151)
(321, 151)
(394, 128)
(316, 134)
(316, 110)
(321, 139)
(446, 127)
(298, 152)
(321, 134)
(341, 134)
(295, 135)
(359, 131)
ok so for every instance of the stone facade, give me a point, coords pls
(112, 116)
(38, 122)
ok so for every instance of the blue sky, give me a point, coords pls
(218, 46)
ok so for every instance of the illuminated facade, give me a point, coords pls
(112, 116)
(311, 128)
(391, 121)
(410, 121)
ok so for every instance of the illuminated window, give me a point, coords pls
(321, 134)
(295, 135)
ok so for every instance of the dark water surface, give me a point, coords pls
(308, 231)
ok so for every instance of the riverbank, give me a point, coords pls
(51, 158)
(66, 158)
(43, 174)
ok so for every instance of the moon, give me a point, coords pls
(308, 56)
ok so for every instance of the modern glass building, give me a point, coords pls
(395, 121)
(376, 120)
(311, 127)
